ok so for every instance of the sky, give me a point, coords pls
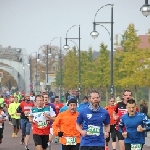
(30, 24)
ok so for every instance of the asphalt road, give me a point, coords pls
(10, 143)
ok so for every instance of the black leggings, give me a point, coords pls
(113, 134)
(70, 147)
(1, 133)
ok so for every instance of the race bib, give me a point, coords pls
(71, 141)
(1, 126)
(136, 146)
(93, 130)
(42, 124)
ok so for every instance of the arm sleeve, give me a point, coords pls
(121, 125)
(146, 122)
(56, 125)
(107, 120)
(52, 112)
(19, 109)
(116, 108)
(80, 118)
(31, 114)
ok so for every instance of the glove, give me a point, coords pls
(60, 134)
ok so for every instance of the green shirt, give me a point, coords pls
(12, 110)
(2, 102)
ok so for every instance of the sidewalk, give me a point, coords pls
(147, 139)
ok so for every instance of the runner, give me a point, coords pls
(24, 110)
(10, 100)
(135, 124)
(65, 127)
(32, 97)
(15, 118)
(119, 111)
(57, 105)
(46, 103)
(40, 118)
(65, 107)
(93, 123)
(85, 103)
(2, 119)
(110, 109)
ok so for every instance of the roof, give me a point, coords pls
(143, 44)
(144, 41)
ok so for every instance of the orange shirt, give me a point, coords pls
(110, 110)
(66, 122)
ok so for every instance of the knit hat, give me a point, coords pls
(72, 100)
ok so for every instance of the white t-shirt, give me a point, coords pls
(32, 98)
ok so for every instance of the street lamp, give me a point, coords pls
(30, 64)
(66, 47)
(60, 59)
(95, 34)
(145, 9)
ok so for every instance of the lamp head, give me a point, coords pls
(66, 47)
(145, 9)
(94, 34)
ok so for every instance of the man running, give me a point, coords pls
(15, 118)
(110, 109)
(65, 107)
(57, 105)
(65, 127)
(40, 117)
(24, 109)
(46, 103)
(85, 103)
(93, 123)
(119, 111)
(135, 124)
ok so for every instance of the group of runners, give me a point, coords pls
(85, 126)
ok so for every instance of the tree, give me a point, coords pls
(8, 81)
(70, 69)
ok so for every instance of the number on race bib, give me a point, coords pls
(42, 124)
(136, 146)
(93, 130)
(70, 141)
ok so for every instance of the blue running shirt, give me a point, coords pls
(93, 123)
(131, 123)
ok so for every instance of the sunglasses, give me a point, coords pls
(112, 101)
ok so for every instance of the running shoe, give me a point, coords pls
(26, 147)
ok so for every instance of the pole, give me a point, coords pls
(111, 66)
(47, 68)
(79, 70)
(60, 58)
(36, 74)
(30, 62)
(146, 1)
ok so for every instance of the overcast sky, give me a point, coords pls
(30, 24)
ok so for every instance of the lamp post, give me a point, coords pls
(95, 34)
(60, 61)
(30, 64)
(145, 9)
(66, 47)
